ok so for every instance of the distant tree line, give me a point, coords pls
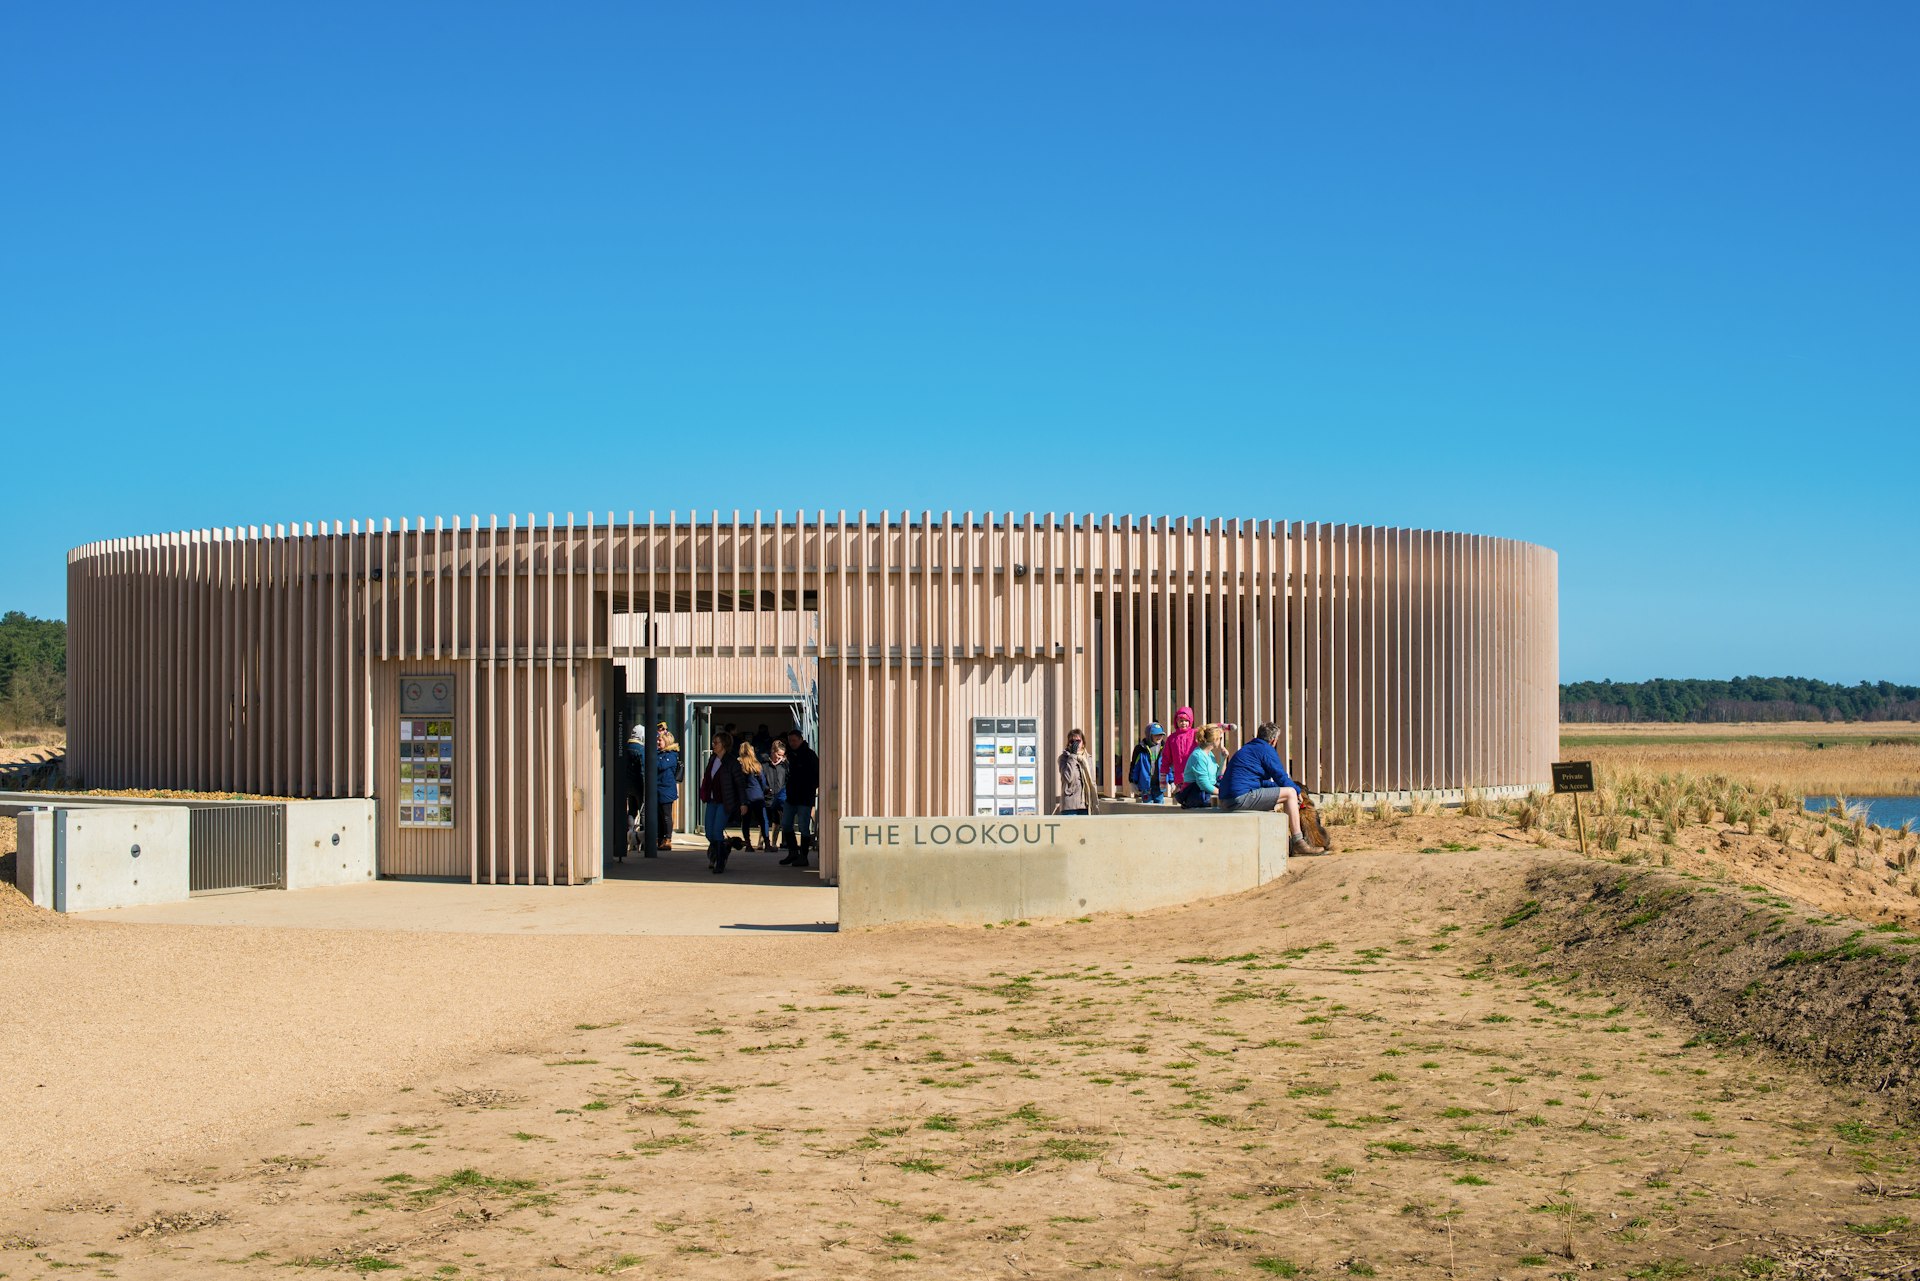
(1744, 698)
(33, 671)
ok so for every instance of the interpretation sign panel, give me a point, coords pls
(1006, 765)
(1572, 776)
(426, 751)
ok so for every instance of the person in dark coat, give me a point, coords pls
(803, 786)
(775, 771)
(723, 791)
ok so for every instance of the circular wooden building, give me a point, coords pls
(478, 678)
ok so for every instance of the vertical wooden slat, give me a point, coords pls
(885, 671)
(568, 731)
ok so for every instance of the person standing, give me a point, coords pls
(723, 792)
(803, 785)
(753, 779)
(666, 784)
(1256, 779)
(775, 772)
(1143, 771)
(1076, 776)
(1179, 744)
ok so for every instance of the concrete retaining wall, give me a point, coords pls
(33, 864)
(118, 856)
(971, 871)
(329, 843)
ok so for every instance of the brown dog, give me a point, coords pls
(1311, 827)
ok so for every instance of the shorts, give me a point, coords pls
(1260, 798)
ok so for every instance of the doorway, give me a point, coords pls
(746, 715)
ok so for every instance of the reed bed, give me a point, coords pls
(1877, 759)
(33, 736)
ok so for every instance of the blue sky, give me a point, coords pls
(1635, 281)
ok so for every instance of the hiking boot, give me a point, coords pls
(1301, 845)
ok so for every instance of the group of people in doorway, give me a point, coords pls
(766, 785)
(1193, 767)
(768, 790)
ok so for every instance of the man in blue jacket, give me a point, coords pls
(1256, 779)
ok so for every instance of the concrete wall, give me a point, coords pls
(329, 843)
(33, 864)
(112, 856)
(969, 871)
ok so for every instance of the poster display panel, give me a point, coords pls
(427, 737)
(1006, 765)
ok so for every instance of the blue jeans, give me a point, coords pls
(796, 825)
(716, 829)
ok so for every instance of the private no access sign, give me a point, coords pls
(1572, 776)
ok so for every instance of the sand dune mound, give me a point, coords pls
(1745, 965)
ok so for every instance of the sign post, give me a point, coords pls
(1573, 778)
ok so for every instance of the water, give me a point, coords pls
(1885, 811)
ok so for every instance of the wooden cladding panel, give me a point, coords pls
(255, 658)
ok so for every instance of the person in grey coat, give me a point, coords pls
(1076, 776)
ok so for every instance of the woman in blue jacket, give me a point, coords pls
(666, 784)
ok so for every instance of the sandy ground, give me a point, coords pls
(673, 895)
(1344, 1074)
(30, 745)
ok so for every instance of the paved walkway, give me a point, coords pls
(673, 895)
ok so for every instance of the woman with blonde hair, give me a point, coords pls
(755, 793)
(666, 784)
(1202, 783)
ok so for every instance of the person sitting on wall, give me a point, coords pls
(1202, 786)
(1256, 779)
(1076, 776)
(803, 784)
(1173, 754)
(1143, 771)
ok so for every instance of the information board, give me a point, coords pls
(1572, 776)
(1006, 765)
(426, 751)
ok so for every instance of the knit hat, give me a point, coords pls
(1153, 727)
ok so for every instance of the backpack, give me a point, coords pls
(1141, 769)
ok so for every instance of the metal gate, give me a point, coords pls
(237, 847)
